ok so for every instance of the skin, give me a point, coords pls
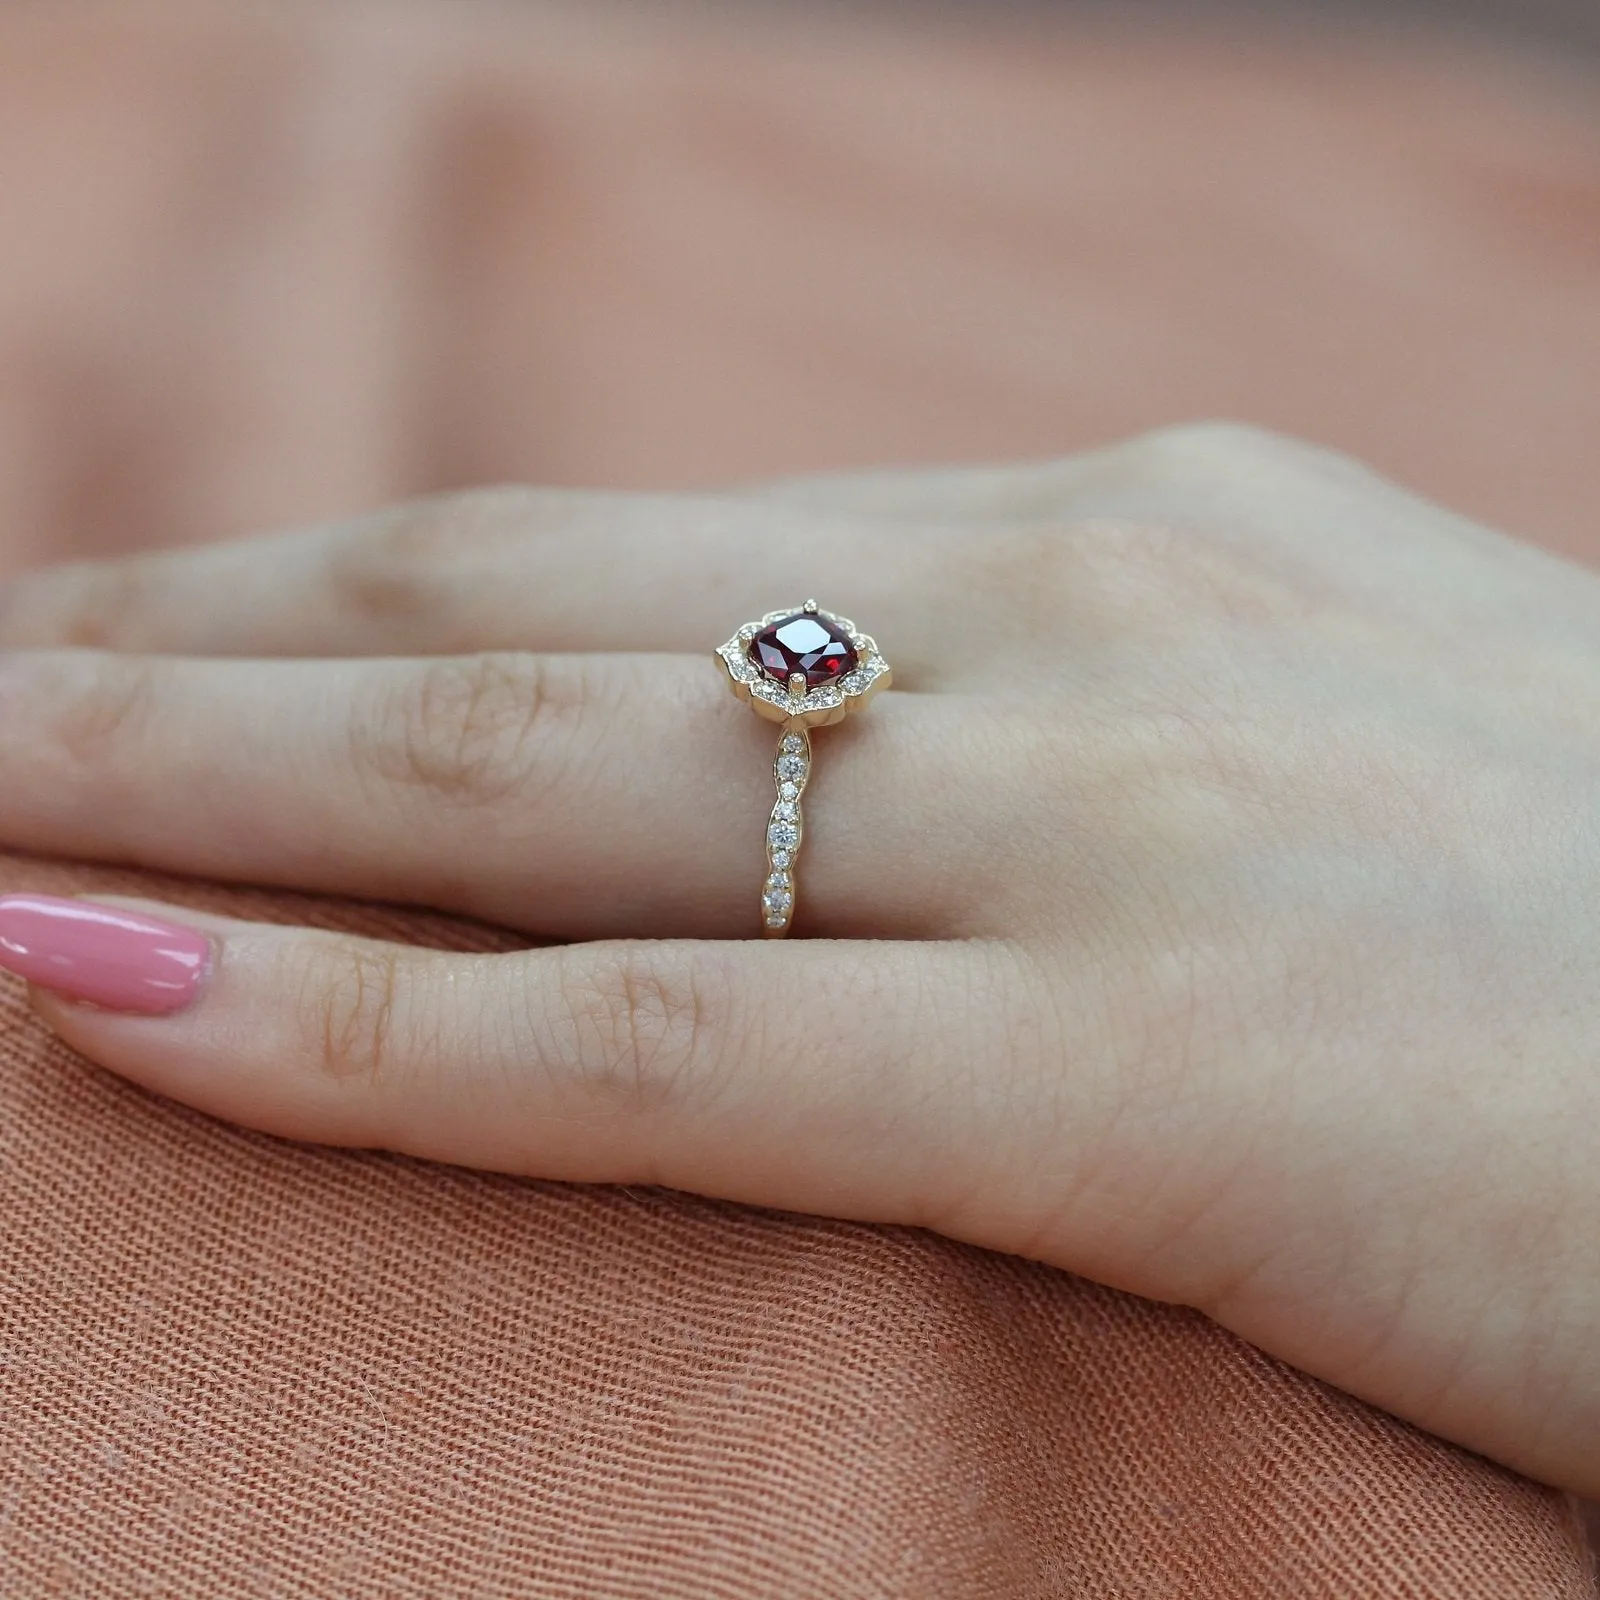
(1212, 909)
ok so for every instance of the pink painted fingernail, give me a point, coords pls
(106, 956)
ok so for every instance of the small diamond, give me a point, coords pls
(778, 880)
(854, 684)
(783, 835)
(785, 811)
(781, 858)
(777, 920)
(793, 744)
(793, 768)
(789, 791)
(778, 900)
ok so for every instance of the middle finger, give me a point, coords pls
(506, 569)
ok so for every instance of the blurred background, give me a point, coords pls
(269, 261)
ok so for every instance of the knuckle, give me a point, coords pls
(1192, 447)
(1099, 564)
(348, 999)
(1195, 454)
(92, 604)
(97, 703)
(1117, 577)
(473, 730)
(396, 568)
(638, 1024)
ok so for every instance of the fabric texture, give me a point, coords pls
(269, 263)
(236, 1365)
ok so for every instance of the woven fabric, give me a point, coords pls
(239, 1366)
(269, 262)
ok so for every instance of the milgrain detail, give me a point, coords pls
(791, 769)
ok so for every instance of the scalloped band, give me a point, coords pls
(785, 830)
(801, 706)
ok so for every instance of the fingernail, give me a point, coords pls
(118, 959)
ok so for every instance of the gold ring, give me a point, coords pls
(806, 668)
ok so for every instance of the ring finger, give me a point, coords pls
(571, 796)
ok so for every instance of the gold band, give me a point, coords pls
(806, 668)
(791, 768)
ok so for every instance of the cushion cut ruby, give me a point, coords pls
(813, 646)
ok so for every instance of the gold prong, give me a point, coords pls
(811, 608)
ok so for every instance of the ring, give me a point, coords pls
(806, 668)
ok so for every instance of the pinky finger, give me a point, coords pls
(819, 1076)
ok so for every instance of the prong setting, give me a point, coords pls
(817, 707)
(800, 706)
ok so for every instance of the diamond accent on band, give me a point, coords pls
(804, 668)
(791, 766)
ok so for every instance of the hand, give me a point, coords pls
(1213, 910)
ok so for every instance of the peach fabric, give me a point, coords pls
(273, 263)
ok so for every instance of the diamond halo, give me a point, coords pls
(816, 707)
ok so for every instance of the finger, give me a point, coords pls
(981, 494)
(1228, 485)
(490, 570)
(712, 1067)
(569, 796)
(907, 1084)
(1211, 471)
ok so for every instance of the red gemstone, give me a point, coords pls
(813, 646)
